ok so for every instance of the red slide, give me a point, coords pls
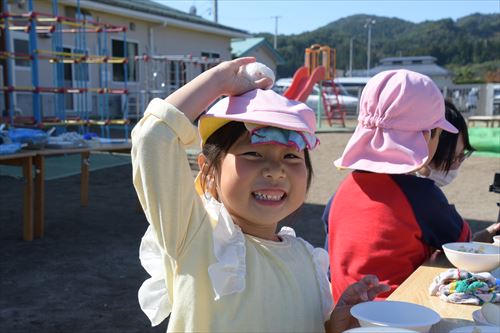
(302, 83)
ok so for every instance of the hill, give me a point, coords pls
(470, 46)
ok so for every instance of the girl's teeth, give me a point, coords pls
(263, 196)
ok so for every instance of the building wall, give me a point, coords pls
(150, 38)
(442, 81)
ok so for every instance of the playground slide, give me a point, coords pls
(303, 83)
(298, 82)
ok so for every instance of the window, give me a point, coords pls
(21, 46)
(118, 50)
(24, 102)
(81, 68)
(74, 75)
(178, 73)
(72, 13)
(77, 71)
(68, 82)
(208, 55)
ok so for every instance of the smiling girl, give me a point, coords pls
(215, 259)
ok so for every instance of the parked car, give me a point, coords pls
(348, 102)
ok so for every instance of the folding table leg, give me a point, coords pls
(84, 180)
(39, 195)
(28, 198)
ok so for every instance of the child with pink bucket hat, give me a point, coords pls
(215, 259)
(383, 219)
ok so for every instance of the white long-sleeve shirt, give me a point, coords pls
(204, 270)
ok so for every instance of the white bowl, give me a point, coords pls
(379, 329)
(478, 318)
(395, 314)
(473, 257)
(475, 329)
(496, 240)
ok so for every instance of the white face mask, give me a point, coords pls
(440, 177)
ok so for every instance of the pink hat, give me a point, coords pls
(261, 107)
(396, 107)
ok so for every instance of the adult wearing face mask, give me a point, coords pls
(452, 150)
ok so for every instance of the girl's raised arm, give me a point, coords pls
(226, 78)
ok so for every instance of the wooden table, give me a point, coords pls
(415, 290)
(34, 188)
(24, 159)
(39, 214)
(490, 121)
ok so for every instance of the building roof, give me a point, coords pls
(242, 47)
(421, 64)
(156, 9)
(414, 59)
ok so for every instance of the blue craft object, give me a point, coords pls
(10, 148)
(34, 138)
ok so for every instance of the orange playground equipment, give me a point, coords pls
(319, 68)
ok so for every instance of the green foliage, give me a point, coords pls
(476, 73)
(459, 45)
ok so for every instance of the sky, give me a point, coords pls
(297, 16)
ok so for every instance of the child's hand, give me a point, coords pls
(235, 81)
(227, 78)
(486, 235)
(364, 290)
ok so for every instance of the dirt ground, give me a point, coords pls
(83, 276)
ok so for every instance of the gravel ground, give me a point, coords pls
(83, 276)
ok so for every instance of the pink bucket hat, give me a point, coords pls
(259, 107)
(396, 107)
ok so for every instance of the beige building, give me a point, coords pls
(163, 48)
(421, 64)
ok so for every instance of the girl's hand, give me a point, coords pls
(364, 290)
(234, 81)
(227, 78)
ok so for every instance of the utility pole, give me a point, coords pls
(350, 57)
(368, 24)
(216, 12)
(275, 31)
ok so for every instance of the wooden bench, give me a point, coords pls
(490, 121)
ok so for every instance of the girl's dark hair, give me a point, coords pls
(217, 145)
(445, 153)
